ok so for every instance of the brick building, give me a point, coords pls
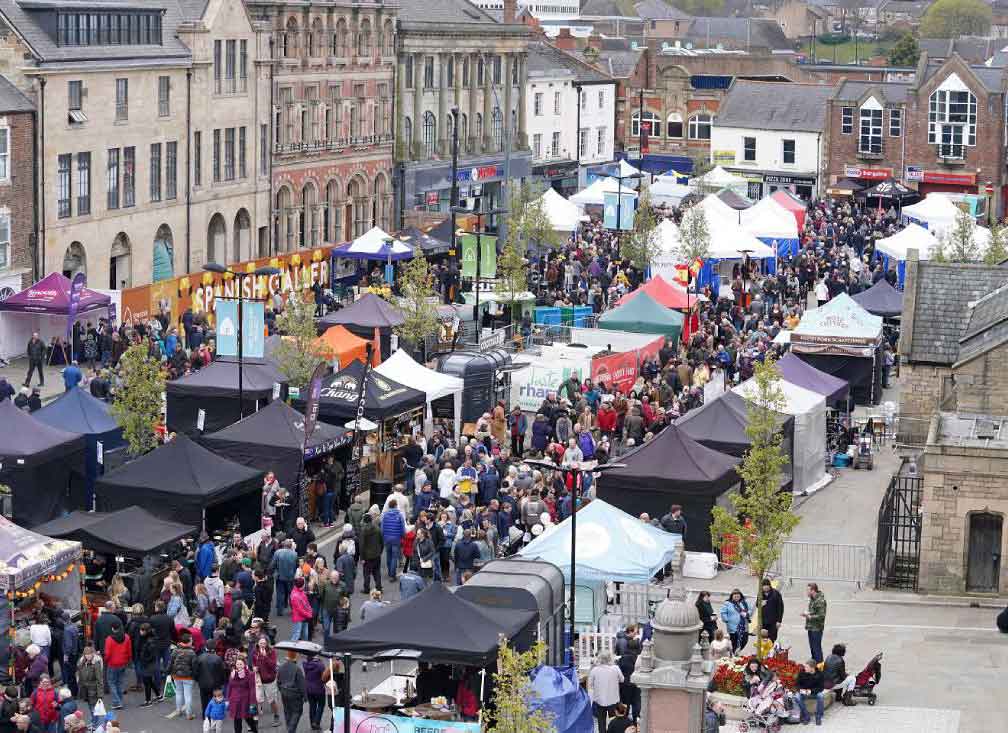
(17, 171)
(332, 100)
(942, 132)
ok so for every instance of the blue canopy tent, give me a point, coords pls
(556, 691)
(77, 411)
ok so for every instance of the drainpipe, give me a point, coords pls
(269, 151)
(33, 239)
(393, 122)
(188, 185)
(42, 157)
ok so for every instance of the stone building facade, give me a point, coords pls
(332, 70)
(17, 190)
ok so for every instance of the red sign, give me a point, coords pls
(432, 198)
(869, 174)
(955, 179)
(650, 351)
(616, 371)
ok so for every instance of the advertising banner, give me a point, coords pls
(488, 255)
(530, 386)
(362, 721)
(253, 329)
(616, 371)
(227, 327)
(76, 289)
(625, 210)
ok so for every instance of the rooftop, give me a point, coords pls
(971, 430)
(443, 12)
(619, 64)
(12, 99)
(775, 106)
(659, 10)
(549, 61)
(753, 32)
(890, 91)
(972, 49)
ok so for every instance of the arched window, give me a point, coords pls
(216, 240)
(379, 208)
(364, 39)
(388, 39)
(74, 260)
(652, 124)
(242, 236)
(291, 39)
(497, 128)
(309, 216)
(357, 193)
(463, 131)
(699, 126)
(331, 212)
(480, 72)
(674, 125)
(284, 235)
(354, 119)
(429, 134)
(340, 38)
(450, 129)
(952, 118)
(316, 39)
(408, 136)
(478, 132)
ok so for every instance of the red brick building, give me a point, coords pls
(943, 132)
(17, 171)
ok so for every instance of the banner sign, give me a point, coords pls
(253, 329)
(227, 327)
(312, 403)
(362, 721)
(76, 289)
(616, 371)
(488, 255)
(529, 387)
(352, 478)
(625, 210)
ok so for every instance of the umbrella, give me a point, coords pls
(846, 187)
(301, 647)
(890, 189)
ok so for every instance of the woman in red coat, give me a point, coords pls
(241, 697)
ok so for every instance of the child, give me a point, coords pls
(765, 646)
(721, 646)
(216, 711)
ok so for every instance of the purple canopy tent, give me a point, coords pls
(51, 296)
(799, 372)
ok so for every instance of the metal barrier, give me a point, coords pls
(815, 561)
(633, 603)
(589, 644)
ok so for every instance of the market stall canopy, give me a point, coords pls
(840, 326)
(719, 424)
(131, 531)
(557, 692)
(338, 344)
(374, 244)
(728, 241)
(717, 178)
(734, 200)
(451, 631)
(77, 411)
(665, 293)
(938, 213)
(594, 195)
(178, 481)
(383, 397)
(718, 212)
(625, 169)
(789, 202)
(912, 236)
(801, 373)
(562, 214)
(767, 218)
(890, 189)
(881, 299)
(51, 295)
(368, 311)
(402, 368)
(668, 192)
(428, 244)
(26, 556)
(845, 187)
(643, 314)
(612, 546)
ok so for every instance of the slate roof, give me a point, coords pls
(760, 32)
(852, 91)
(775, 106)
(989, 77)
(601, 9)
(12, 99)
(545, 60)
(619, 64)
(941, 313)
(659, 10)
(30, 21)
(446, 12)
(973, 50)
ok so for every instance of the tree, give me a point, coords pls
(694, 235)
(513, 692)
(512, 274)
(641, 247)
(701, 8)
(905, 52)
(997, 251)
(417, 302)
(765, 511)
(958, 244)
(954, 18)
(527, 221)
(297, 354)
(137, 404)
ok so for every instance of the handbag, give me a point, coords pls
(207, 725)
(169, 687)
(427, 564)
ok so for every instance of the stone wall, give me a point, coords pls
(920, 392)
(981, 385)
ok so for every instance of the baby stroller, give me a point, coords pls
(863, 452)
(867, 678)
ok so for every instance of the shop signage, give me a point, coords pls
(492, 340)
(914, 173)
(482, 173)
(955, 179)
(779, 180)
(869, 174)
(557, 171)
(721, 157)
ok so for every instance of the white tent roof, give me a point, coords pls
(373, 242)
(667, 235)
(718, 211)
(563, 215)
(667, 191)
(797, 400)
(840, 317)
(936, 211)
(913, 236)
(625, 169)
(719, 177)
(595, 193)
(401, 367)
(727, 238)
(767, 218)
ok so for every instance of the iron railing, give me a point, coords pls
(897, 552)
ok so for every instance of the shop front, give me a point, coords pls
(930, 181)
(867, 174)
(803, 186)
(560, 176)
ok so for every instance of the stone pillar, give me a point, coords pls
(522, 99)
(487, 102)
(509, 60)
(441, 131)
(401, 111)
(418, 84)
(471, 117)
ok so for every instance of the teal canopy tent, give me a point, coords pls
(643, 314)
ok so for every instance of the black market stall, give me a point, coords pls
(429, 245)
(881, 299)
(77, 411)
(38, 463)
(396, 409)
(214, 390)
(843, 339)
(486, 376)
(273, 439)
(187, 483)
(369, 317)
(672, 468)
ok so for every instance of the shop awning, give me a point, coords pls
(25, 556)
(383, 397)
(51, 296)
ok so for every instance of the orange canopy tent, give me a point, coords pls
(339, 343)
(668, 294)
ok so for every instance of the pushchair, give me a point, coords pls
(867, 678)
(863, 452)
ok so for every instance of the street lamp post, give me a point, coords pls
(240, 277)
(479, 249)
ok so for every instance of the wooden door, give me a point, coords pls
(983, 566)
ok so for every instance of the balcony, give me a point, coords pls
(871, 153)
(951, 154)
(342, 144)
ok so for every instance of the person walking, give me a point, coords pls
(181, 667)
(118, 656)
(393, 528)
(371, 545)
(241, 697)
(147, 664)
(603, 687)
(301, 611)
(209, 674)
(264, 661)
(705, 612)
(735, 614)
(772, 612)
(89, 676)
(215, 712)
(35, 351)
(815, 620)
(291, 681)
(283, 567)
(329, 594)
(314, 690)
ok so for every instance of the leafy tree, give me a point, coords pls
(905, 52)
(766, 517)
(417, 302)
(513, 692)
(694, 235)
(958, 244)
(997, 251)
(137, 404)
(641, 247)
(954, 18)
(297, 354)
(702, 8)
(512, 274)
(527, 221)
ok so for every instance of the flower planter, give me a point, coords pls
(734, 705)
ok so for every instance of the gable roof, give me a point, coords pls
(659, 10)
(775, 106)
(892, 92)
(12, 99)
(450, 12)
(546, 60)
(602, 9)
(987, 325)
(988, 77)
(972, 49)
(754, 32)
(941, 315)
(619, 64)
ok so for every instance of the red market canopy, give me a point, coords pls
(664, 292)
(797, 208)
(51, 296)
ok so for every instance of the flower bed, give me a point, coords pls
(727, 676)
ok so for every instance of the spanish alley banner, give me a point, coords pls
(198, 290)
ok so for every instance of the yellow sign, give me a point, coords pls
(720, 157)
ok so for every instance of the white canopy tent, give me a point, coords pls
(563, 215)
(620, 341)
(666, 235)
(718, 178)
(625, 169)
(594, 195)
(937, 213)
(717, 211)
(402, 368)
(839, 326)
(809, 412)
(770, 220)
(667, 191)
(912, 236)
(376, 244)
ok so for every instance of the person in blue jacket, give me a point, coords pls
(206, 556)
(392, 529)
(735, 614)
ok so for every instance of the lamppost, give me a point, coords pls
(240, 277)
(479, 250)
(619, 197)
(577, 469)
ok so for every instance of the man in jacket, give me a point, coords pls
(302, 536)
(674, 522)
(36, 357)
(118, 656)
(90, 672)
(371, 545)
(465, 555)
(815, 620)
(262, 593)
(181, 666)
(392, 529)
(209, 672)
(283, 567)
(347, 567)
(206, 556)
(68, 665)
(329, 593)
(164, 629)
(773, 609)
(291, 683)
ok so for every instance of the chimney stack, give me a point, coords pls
(565, 40)
(510, 11)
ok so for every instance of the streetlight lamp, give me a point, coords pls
(240, 276)
(577, 469)
(619, 197)
(479, 228)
